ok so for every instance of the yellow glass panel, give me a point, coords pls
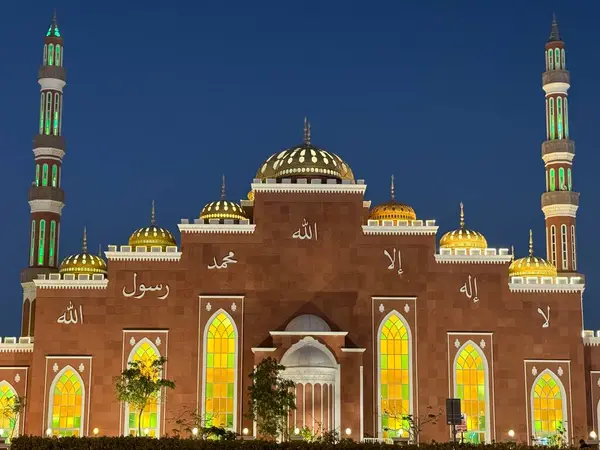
(470, 380)
(67, 405)
(146, 355)
(547, 406)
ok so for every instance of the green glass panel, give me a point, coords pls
(551, 108)
(405, 392)
(45, 175)
(43, 96)
(132, 420)
(209, 360)
(229, 390)
(460, 392)
(51, 54)
(481, 392)
(52, 238)
(37, 174)
(32, 244)
(55, 421)
(58, 55)
(153, 421)
(384, 421)
(76, 421)
(54, 175)
(405, 361)
(230, 361)
(559, 117)
(384, 391)
(383, 362)
(566, 120)
(209, 390)
(41, 242)
(229, 420)
(552, 180)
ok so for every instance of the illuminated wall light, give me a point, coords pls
(296, 431)
(245, 431)
(348, 431)
(146, 431)
(48, 432)
(1, 432)
(511, 433)
(195, 431)
(593, 435)
(95, 431)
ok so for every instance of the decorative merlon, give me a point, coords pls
(590, 339)
(213, 226)
(23, 344)
(306, 186)
(69, 281)
(546, 284)
(407, 227)
(141, 253)
(473, 256)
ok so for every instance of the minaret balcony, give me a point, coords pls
(47, 140)
(556, 76)
(52, 72)
(560, 198)
(46, 193)
(558, 146)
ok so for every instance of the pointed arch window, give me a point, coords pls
(561, 179)
(550, 63)
(559, 117)
(557, 58)
(51, 54)
(58, 49)
(56, 112)
(548, 407)
(37, 174)
(566, 108)
(42, 100)
(54, 175)
(52, 242)
(45, 175)
(48, 111)
(394, 352)
(220, 371)
(32, 244)
(573, 250)
(563, 60)
(553, 244)
(563, 242)
(66, 404)
(9, 426)
(41, 242)
(552, 124)
(45, 54)
(552, 180)
(471, 386)
(146, 353)
(569, 180)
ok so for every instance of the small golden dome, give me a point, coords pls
(223, 209)
(463, 237)
(152, 236)
(251, 195)
(531, 266)
(393, 210)
(305, 160)
(83, 263)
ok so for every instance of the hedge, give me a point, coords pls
(133, 443)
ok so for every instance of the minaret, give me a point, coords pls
(46, 198)
(559, 202)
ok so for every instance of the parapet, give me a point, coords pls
(141, 253)
(473, 256)
(71, 281)
(590, 339)
(227, 226)
(546, 284)
(312, 185)
(23, 344)
(401, 227)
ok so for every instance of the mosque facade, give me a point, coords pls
(374, 313)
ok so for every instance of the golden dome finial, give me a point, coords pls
(84, 246)
(463, 237)
(223, 188)
(392, 190)
(153, 215)
(530, 243)
(100, 250)
(531, 266)
(512, 251)
(462, 215)
(306, 139)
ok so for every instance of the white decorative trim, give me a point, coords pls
(472, 259)
(216, 228)
(381, 308)
(263, 349)
(560, 210)
(17, 378)
(352, 350)
(400, 230)
(49, 151)
(309, 188)
(517, 284)
(143, 256)
(52, 206)
(16, 348)
(51, 84)
(311, 375)
(29, 290)
(556, 88)
(558, 157)
(71, 284)
(394, 298)
(308, 333)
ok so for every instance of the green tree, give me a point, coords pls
(11, 410)
(140, 383)
(271, 398)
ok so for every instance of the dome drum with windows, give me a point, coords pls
(152, 236)
(83, 263)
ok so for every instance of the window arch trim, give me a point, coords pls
(486, 369)
(573, 248)
(564, 247)
(378, 365)
(563, 393)
(553, 244)
(51, 398)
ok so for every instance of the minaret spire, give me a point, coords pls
(153, 215)
(84, 246)
(306, 139)
(554, 34)
(392, 190)
(223, 188)
(530, 243)
(462, 215)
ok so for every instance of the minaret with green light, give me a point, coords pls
(559, 201)
(46, 198)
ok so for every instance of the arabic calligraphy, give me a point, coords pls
(140, 291)
(70, 316)
(228, 259)
(305, 231)
(546, 317)
(392, 265)
(470, 289)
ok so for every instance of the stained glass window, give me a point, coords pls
(32, 244)
(573, 250)
(557, 58)
(45, 53)
(42, 100)
(41, 242)
(52, 239)
(50, 54)
(146, 354)
(37, 174)
(48, 111)
(55, 122)
(561, 178)
(552, 124)
(45, 175)
(559, 117)
(394, 377)
(566, 107)
(563, 59)
(552, 179)
(54, 175)
(57, 54)
(470, 381)
(550, 60)
(548, 406)
(220, 384)
(67, 404)
(8, 421)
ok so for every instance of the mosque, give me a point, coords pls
(374, 313)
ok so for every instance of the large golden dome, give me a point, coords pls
(223, 209)
(532, 266)
(392, 210)
(306, 161)
(83, 263)
(463, 237)
(152, 236)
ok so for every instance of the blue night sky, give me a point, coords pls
(162, 100)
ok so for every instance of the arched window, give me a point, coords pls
(559, 117)
(42, 99)
(146, 353)
(45, 175)
(553, 244)
(56, 112)
(471, 386)
(573, 251)
(60, 117)
(45, 54)
(563, 242)
(552, 180)
(37, 174)
(548, 407)
(51, 54)
(569, 180)
(395, 367)
(563, 62)
(52, 242)
(66, 404)
(48, 111)
(561, 179)
(58, 55)
(220, 371)
(32, 244)
(550, 60)
(551, 109)
(41, 242)
(54, 175)
(9, 424)
(566, 108)
(557, 58)
(547, 185)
